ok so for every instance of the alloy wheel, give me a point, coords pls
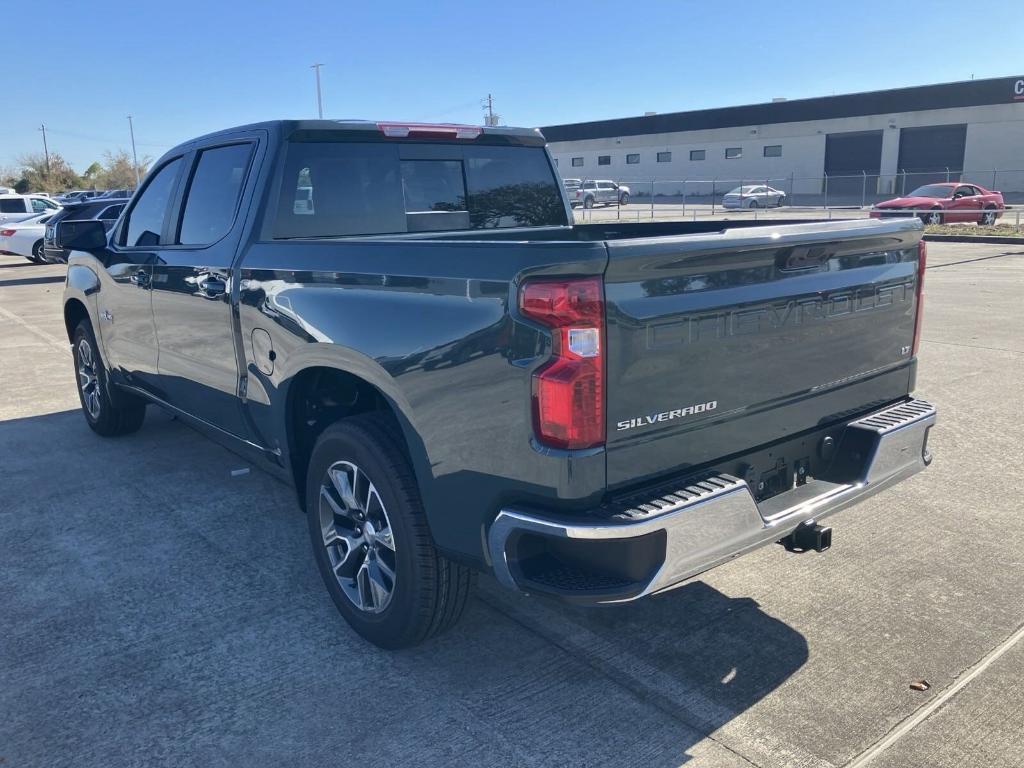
(934, 217)
(88, 380)
(357, 536)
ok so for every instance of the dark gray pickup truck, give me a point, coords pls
(402, 321)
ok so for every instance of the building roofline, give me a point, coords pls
(964, 93)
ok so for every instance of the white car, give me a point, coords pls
(25, 238)
(754, 196)
(19, 207)
(605, 191)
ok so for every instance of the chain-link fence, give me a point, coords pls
(694, 198)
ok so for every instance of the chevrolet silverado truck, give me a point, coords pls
(402, 321)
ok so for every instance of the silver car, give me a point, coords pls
(754, 196)
(604, 191)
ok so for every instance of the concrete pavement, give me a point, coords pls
(156, 610)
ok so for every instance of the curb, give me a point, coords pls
(993, 239)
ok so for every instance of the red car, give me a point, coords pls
(946, 203)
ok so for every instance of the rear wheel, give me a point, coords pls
(370, 537)
(588, 202)
(988, 218)
(37, 252)
(753, 204)
(107, 413)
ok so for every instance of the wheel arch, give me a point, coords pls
(321, 394)
(74, 313)
(79, 304)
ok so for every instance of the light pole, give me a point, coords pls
(135, 158)
(46, 149)
(319, 98)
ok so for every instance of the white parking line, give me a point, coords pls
(925, 712)
(49, 338)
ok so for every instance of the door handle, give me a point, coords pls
(210, 285)
(140, 279)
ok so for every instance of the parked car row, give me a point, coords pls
(82, 195)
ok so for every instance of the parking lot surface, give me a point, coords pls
(157, 610)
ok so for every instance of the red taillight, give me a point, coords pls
(445, 130)
(922, 259)
(568, 390)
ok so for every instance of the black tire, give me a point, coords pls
(37, 252)
(988, 218)
(624, 200)
(428, 592)
(588, 202)
(106, 414)
(781, 201)
(754, 204)
(934, 216)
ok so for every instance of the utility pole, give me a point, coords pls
(46, 150)
(135, 158)
(490, 118)
(319, 98)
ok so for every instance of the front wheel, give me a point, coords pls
(370, 537)
(988, 218)
(107, 413)
(624, 199)
(781, 201)
(932, 217)
(588, 202)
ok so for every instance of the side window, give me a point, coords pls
(146, 218)
(213, 194)
(12, 205)
(632, 159)
(38, 205)
(110, 213)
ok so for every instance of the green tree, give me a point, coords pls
(40, 176)
(92, 172)
(118, 171)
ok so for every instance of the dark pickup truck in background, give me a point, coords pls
(402, 321)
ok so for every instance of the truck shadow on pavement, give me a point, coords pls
(158, 609)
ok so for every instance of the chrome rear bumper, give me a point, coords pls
(707, 523)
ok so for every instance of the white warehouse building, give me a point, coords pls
(868, 145)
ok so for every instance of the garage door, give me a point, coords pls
(848, 157)
(930, 154)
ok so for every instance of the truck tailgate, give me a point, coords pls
(720, 343)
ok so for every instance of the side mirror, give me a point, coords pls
(81, 235)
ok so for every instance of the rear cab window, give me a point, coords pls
(213, 193)
(348, 188)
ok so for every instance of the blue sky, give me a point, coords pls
(183, 68)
